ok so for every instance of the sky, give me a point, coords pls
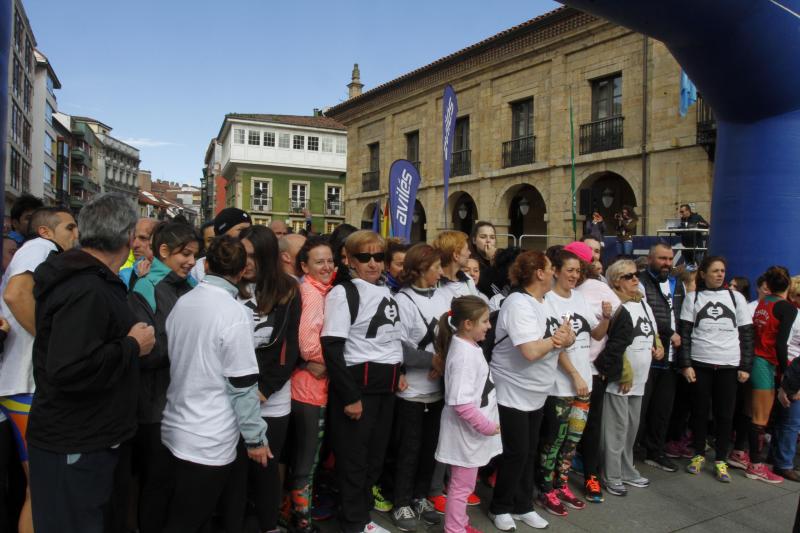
(163, 73)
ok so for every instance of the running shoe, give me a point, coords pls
(696, 464)
(572, 501)
(617, 489)
(592, 491)
(380, 503)
(473, 500)
(503, 522)
(662, 462)
(739, 459)
(761, 472)
(552, 504)
(426, 512)
(640, 482)
(438, 502)
(677, 449)
(372, 527)
(471, 529)
(721, 471)
(532, 519)
(404, 518)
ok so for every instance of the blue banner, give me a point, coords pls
(449, 114)
(403, 184)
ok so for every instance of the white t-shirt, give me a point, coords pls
(595, 292)
(418, 313)
(467, 380)
(198, 271)
(583, 321)
(210, 340)
(454, 289)
(375, 335)
(715, 337)
(640, 352)
(280, 402)
(16, 368)
(523, 384)
(794, 339)
(751, 306)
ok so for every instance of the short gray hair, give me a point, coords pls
(106, 223)
(616, 271)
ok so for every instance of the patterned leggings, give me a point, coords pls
(565, 419)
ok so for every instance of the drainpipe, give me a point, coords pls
(645, 218)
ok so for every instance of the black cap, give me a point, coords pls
(228, 218)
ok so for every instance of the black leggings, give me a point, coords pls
(267, 481)
(198, 489)
(519, 431)
(592, 433)
(153, 463)
(715, 388)
(417, 430)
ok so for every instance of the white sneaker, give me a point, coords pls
(503, 522)
(372, 527)
(532, 519)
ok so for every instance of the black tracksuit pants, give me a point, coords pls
(417, 431)
(593, 432)
(659, 395)
(514, 489)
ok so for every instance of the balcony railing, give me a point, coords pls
(298, 206)
(261, 204)
(521, 151)
(706, 123)
(334, 208)
(370, 181)
(601, 135)
(461, 163)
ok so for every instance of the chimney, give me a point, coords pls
(355, 85)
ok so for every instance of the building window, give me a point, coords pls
(28, 55)
(269, 138)
(19, 29)
(16, 73)
(341, 145)
(522, 119)
(283, 140)
(297, 225)
(330, 226)
(26, 96)
(48, 144)
(26, 136)
(374, 157)
(333, 200)
(260, 221)
(253, 138)
(298, 142)
(15, 168)
(313, 144)
(49, 175)
(327, 144)
(238, 136)
(51, 86)
(461, 163)
(607, 97)
(461, 140)
(412, 147)
(299, 197)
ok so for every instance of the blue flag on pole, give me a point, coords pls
(688, 94)
(376, 218)
(449, 114)
(403, 184)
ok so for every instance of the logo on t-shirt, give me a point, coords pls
(715, 311)
(552, 326)
(643, 328)
(387, 314)
(488, 387)
(579, 325)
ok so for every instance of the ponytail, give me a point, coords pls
(462, 308)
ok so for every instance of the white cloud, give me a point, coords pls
(145, 142)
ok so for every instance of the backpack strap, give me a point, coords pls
(430, 334)
(351, 292)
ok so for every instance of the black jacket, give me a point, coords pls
(611, 360)
(151, 301)
(278, 359)
(85, 365)
(661, 308)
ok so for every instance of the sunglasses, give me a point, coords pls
(365, 257)
(628, 277)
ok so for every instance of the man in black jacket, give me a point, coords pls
(665, 296)
(692, 239)
(86, 371)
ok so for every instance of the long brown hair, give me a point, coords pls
(461, 309)
(419, 258)
(273, 285)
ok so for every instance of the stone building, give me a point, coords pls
(44, 159)
(511, 163)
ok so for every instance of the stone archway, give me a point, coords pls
(605, 192)
(419, 221)
(526, 215)
(368, 215)
(464, 212)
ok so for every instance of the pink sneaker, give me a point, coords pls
(761, 472)
(678, 448)
(739, 459)
(567, 497)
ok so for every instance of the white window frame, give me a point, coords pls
(261, 220)
(326, 144)
(341, 145)
(297, 225)
(307, 186)
(302, 139)
(270, 190)
(309, 143)
(269, 134)
(238, 131)
(328, 187)
(251, 138)
(330, 225)
(285, 137)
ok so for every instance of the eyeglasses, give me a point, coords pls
(628, 277)
(365, 257)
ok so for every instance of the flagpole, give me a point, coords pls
(572, 158)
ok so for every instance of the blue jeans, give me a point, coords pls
(624, 247)
(786, 430)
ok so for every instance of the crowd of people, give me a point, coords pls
(156, 378)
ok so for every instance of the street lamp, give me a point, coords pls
(462, 212)
(524, 206)
(607, 198)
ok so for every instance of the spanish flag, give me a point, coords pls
(386, 230)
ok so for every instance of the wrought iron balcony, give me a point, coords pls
(334, 208)
(261, 204)
(706, 126)
(521, 151)
(601, 135)
(461, 163)
(371, 181)
(298, 206)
